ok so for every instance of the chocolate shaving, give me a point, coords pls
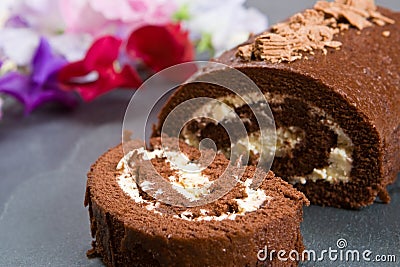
(245, 51)
(313, 29)
(386, 34)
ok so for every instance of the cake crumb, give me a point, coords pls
(386, 33)
(92, 253)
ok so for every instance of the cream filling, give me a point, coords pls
(286, 140)
(340, 157)
(251, 98)
(338, 170)
(254, 200)
(216, 110)
(188, 182)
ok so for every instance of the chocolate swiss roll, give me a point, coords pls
(331, 76)
(132, 227)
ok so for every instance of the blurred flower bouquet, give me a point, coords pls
(60, 50)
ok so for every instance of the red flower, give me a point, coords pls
(96, 74)
(161, 46)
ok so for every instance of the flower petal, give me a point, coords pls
(32, 95)
(131, 11)
(99, 57)
(108, 81)
(16, 21)
(79, 17)
(16, 85)
(70, 71)
(19, 45)
(235, 22)
(144, 43)
(71, 46)
(45, 63)
(103, 52)
(129, 78)
(43, 16)
(51, 94)
(100, 60)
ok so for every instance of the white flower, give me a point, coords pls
(43, 18)
(228, 23)
(18, 45)
(71, 46)
(5, 6)
(42, 15)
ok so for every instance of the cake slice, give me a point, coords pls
(331, 77)
(132, 227)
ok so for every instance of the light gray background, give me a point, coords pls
(45, 157)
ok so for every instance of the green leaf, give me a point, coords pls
(181, 14)
(205, 44)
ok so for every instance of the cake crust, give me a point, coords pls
(126, 234)
(358, 84)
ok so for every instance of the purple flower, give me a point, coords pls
(40, 85)
(16, 21)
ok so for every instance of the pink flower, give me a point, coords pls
(160, 46)
(122, 16)
(79, 17)
(97, 74)
(136, 11)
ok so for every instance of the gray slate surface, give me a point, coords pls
(45, 157)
